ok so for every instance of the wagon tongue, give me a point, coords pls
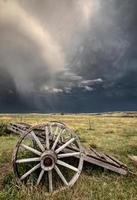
(104, 160)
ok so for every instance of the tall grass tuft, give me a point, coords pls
(3, 129)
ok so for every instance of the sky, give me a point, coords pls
(68, 56)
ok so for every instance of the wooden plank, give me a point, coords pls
(103, 157)
(116, 160)
(105, 165)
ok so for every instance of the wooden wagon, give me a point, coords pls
(51, 154)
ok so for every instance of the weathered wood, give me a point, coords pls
(65, 145)
(50, 181)
(133, 159)
(51, 142)
(30, 171)
(50, 152)
(40, 176)
(31, 149)
(59, 162)
(105, 165)
(61, 175)
(27, 160)
(90, 157)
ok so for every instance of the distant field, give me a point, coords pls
(113, 133)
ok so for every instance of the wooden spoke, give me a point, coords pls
(60, 162)
(26, 160)
(64, 145)
(31, 149)
(56, 131)
(57, 139)
(68, 154)
(37, 141)
(50, 181)
(61, 175)
(30, 171)
(47, 137)
(50, 129)
(40, 176)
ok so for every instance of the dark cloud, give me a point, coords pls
(68, 56)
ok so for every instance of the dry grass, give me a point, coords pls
(114, 133)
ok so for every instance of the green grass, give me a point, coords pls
(113, 133)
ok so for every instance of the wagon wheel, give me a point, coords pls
(51, 159)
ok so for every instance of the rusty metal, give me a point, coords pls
(55, 148)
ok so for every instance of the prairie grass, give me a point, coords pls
(113, 133)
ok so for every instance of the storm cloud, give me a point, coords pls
(68, 56)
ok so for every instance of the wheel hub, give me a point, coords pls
(48, 160)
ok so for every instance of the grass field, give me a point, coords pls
(113, 133)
